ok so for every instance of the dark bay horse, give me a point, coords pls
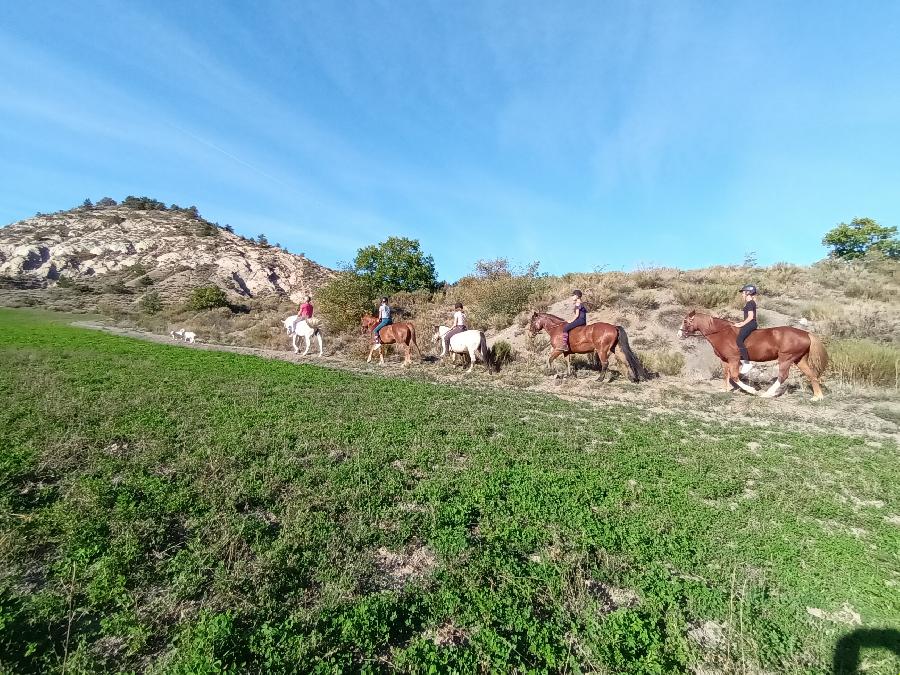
(789, 346)
(601, 338)
(399, 333)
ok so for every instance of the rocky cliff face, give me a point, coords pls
(174, 248)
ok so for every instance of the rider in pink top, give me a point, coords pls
(306, 309)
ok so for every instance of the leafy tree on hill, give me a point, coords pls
(207, 297)
(861, 236)
(87, 203)
(262, 240)
(107, 201)
(397, 264)
(143, 203)
(344, 299)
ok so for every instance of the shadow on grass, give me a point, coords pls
(848, 651)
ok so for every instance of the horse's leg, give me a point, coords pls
(307, 345)
(569, 364)
(734, 369)
(784, 367)
(555, 353)
(371, 352)
(726, 370)
(603, 357)
(806, 369)
(472, 359)
(319, 336)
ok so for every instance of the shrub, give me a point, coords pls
(503, 352)
(708, 296)
(648, 277)
(664, 361)
(496, 301)
(644, 300)
(151, 303)
(207, 297)
(107, 201)
(144, 281)
(344, 299)
(870, 291)
(143, 203)
(118, 287)
(862, 362)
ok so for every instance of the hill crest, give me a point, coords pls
(174, 247)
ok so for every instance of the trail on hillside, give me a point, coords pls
(845, 413)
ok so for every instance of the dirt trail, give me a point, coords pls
(846, 413)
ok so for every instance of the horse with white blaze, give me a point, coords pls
(305, 328)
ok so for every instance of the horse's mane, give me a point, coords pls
(551, 316)
(708, 321)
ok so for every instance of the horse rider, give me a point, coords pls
(747, 326)
(579, 320)
(459, 325)
(384, 316)
(306, 309)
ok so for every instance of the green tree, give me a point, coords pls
(344, 299)
(207, 297)
(397, 264)
(151, 303)
(107, 201)
(87, 203)
(262, 240)
(861, 236)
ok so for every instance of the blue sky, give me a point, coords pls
(584, 135)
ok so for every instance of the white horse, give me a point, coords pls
(289, 323)
(471, 342)
(306, 328)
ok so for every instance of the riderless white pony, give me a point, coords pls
(471, 342)
(303, 328)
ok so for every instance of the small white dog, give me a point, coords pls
(182, 334)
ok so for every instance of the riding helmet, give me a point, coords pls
(749, 288)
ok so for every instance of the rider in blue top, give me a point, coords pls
(384, 313)
(579, 320)
(747, 326)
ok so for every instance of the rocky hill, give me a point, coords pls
(174, 249)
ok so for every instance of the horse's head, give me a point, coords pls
(367, 323)
(689, 325)
(437, 334)
(536, 324)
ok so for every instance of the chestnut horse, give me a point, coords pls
(790, 346)
(601, 338)
(399, 333)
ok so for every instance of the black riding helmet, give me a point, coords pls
(749, 288)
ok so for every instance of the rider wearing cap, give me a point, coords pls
(747, 326)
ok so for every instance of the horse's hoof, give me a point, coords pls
(816, 398)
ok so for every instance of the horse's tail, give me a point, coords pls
(818, 357)
(314, 323)
(638, 372)
(487, 354)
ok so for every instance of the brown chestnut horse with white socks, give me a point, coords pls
(601, 338)
(789, 346)
(400, 333)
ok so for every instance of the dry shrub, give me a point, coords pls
(663, 361)
(870, 290)
(708, 295)
(862, 362)
(503, 353)
(495, 302)
(644, 300)
(649, 277)
(856, 323)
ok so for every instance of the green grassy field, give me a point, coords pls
(177, 510)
